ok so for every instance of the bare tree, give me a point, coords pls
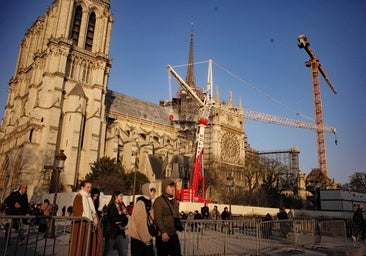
(357, 182)
(253, 172)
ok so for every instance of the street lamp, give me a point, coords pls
(230, 184)
(134, 179)
(59, 164)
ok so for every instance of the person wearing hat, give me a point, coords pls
(166, 208)
(141, 240)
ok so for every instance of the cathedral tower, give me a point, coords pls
(56, 96)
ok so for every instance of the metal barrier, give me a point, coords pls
(21, 235)
(211, 237)
(291, 234)
(246, 236)
(332, 230)
(297, 234)
(251, 236)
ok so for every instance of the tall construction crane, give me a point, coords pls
(318, 111)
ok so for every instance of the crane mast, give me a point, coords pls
(318, 109)
(197, 181)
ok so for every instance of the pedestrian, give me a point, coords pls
(215, 214)
(46, 211)
(205, 211)
(141, 239)
(197, 217)
(205, 214)
(283, 217)
(190, 221)
(116, 224)
(35, 211)
(267, 226)
(291, 214)
(85, 232)
(226, 215)
(98, 231)
(166, 214)
(16, 204)
(183, 215)
(358, 224)
(95, 195)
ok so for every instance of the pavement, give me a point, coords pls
(330, 248)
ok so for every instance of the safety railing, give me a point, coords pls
(24, 235)
(219, 237)
(295, 235)
(246, 236)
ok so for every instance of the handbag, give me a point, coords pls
(151, 225)
(178, 224)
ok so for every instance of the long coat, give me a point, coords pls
(81, 234)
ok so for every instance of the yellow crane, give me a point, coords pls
(315, 65)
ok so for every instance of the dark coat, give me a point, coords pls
(115, 222)
(358, 218)
(282, 215)
(225, 215)
(163, 214)
(12, 199)
(205, 212)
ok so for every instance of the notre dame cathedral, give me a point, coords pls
(59, 100)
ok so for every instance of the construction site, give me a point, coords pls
(222, 151)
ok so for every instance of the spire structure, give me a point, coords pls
(190, 80)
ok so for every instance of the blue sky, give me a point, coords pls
(256, 41)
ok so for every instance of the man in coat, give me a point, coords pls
(166, 209)
(17, 204)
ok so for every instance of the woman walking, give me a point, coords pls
(141, 239)
(116, 221)
(83, 232)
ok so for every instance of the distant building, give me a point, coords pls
(341, 200)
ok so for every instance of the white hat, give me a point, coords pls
(152, 185)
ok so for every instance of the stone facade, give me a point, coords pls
(56, 97)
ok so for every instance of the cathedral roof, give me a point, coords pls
(123, 104)
(157, 166)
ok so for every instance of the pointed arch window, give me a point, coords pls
(90, 32)
(76, 25)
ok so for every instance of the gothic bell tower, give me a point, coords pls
(56, 96)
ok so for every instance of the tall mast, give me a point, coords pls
(190, 70)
